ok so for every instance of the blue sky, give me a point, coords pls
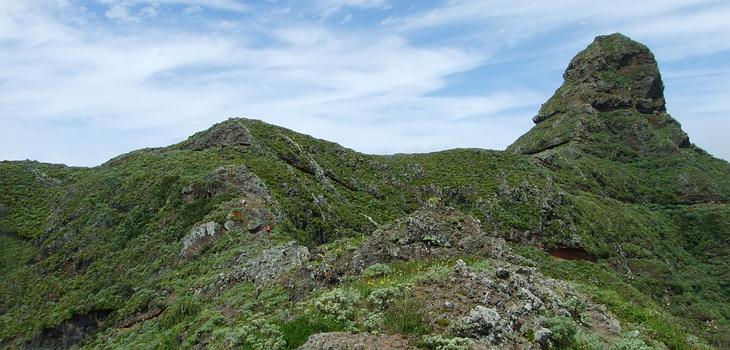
(84, 81)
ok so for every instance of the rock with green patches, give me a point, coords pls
(432, 231)
(261, 269)
(483, 322)
(230, 133)
(613, 72)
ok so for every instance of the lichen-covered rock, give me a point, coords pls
(613, 72)
(232, 132)
(273, 262)
(483, 322)
(228, 180)
(254, 207)
(542, 337)
(432, 231)
(356, 341)
(262, 268)
(251, 215)
(236, 179)
(198, 236)
(501, 312)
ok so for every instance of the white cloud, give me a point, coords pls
(123, 10)
(192, 9)
(330, 7)
(675, 28)
(65, 86)
(346, 19)
(150, 11)
(104, 83)
(120, 12)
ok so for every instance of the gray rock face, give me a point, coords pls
(542, 337)
(273, 262)
(263, 268)
(255, 207)
(198, 236)
(498, 313)
(613, 72)
(433, 231)
(236, 179)
(483, 322)
(228, 133)
(355, 341)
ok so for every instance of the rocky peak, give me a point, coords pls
(232, 132)
(612, 72)
(611, 102)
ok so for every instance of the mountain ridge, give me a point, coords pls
(167, 246)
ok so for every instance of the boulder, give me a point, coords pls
(229, 133)
(198, 236)
(356, 341)
(542, 337)
(263, 268)
(483, 322)
(430, 232)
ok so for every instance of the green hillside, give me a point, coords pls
(601, 227)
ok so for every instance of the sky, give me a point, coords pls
(84, 81)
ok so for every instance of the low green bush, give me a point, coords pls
(297, 331)
(182, 307)
(563, 331)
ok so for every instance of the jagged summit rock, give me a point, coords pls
(232, 132)
(607, 130)
(612, 72)
(613, 94)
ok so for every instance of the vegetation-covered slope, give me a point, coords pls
(167, 247)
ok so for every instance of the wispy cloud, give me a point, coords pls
(75, 74)
(681, 28)
(329, 7)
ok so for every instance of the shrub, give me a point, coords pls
(255, 333)
(577, 308)
(377, 270)
(339, 305)
(406, 316)
(382, 297)
(296, 332)
(438, 342)
(587, 341)
(374, 321)
(629, 342)
(182, 308)
(563, 329)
